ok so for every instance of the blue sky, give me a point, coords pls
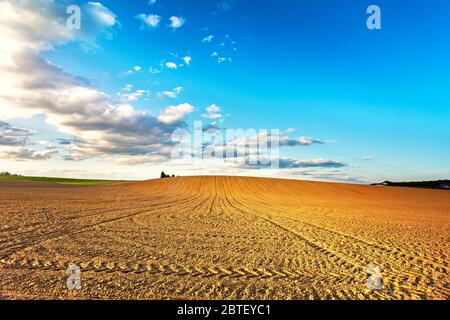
(377, 99)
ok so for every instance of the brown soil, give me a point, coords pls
(223, 238)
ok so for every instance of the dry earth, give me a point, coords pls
(223, 238)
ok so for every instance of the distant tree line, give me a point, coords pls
(164, 175)
(7, 174)
(438, 184)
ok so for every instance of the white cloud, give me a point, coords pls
(103, 14)
(208, 38)
(255, 161)
(271, 139)
(97, 20)
(301, 141)
(223, 59)
(176, 22)
(212, 112)
(133, 96)
(151, 2)
(14, 143)
(175, 114)
(151, 20)
(187, 60)
(222, 53)
(171, 65)
(324, 174)
(213, 109)
(12, 136)
(138, 160)
(128, 87)
(44, 142)
(133, 70)
(170, 93)
(29, 154)
(290, 130)
(41, 25)
(311, 163)
(366, 158)
(98, 125)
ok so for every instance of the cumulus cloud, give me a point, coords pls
(170, 93)
(31, 85)
(316, 163)
(138, 160)
(175, 114)
(128, 87)
(336, 175)
(181, 61)
(176, 22)
(128, 95)
(212, 112)
(97, 21)
(15, 142)
(257, 150)
(40, 25)
(300, 141)
(103, 15)
(171, 65)
(253, 149)
(208, 38)
(12, 136)
(151, 20)
(30, 154)
(255, 161)
(133, 70)
(279, 138)
(187, 60)
(223, 59)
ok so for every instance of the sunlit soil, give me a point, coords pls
(224, 238)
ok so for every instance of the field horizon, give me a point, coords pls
(91, 181)
(223, 237)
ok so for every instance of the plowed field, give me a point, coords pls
(223, 238)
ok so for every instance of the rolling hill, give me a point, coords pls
(223, 238)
